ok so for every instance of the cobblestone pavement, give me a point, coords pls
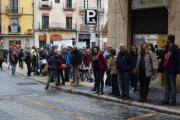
(22, 98)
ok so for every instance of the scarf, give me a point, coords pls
(96, 57)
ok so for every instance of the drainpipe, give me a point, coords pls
(77, 35)
(34, 21)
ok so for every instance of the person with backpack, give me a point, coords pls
(53, 62)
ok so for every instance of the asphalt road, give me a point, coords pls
(22, 98)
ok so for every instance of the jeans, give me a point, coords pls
(13, 67)
(99, 77)
(124, 79)
(170, 85)
(108, 79)
(67, 73)
(87, 75)
(60, 74)
(51, 75)
(75, 73)
(35, 70)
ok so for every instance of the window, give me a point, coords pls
(68, 22)
(84, 4)
(69, 4)
(14, 25)
(14, 6)
(98, 3)
(57, 1)
(45, 22)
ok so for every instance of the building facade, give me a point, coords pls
(16, 23)
(133, 21)
(90, 34)
(55, 20)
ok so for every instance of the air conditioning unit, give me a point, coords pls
(30, 31)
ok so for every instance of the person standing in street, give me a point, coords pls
(35, 59)
(13, 62)
(28, 62)
(75, 64)
(6, 54)
(21, 55)
(1, 59)
(124, 66)
(60, 72)
(53, 67)
(100, 65)
(107, 57)
(170, 67)
(67, 56)
(134, 79)
(114, 73)
(145, 68)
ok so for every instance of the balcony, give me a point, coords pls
(57, 26)
(81, 9)
(10, 11)
(68, 7)
(16, 31)
(96, 28)
(84, 28)
(45, 5)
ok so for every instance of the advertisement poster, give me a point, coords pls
(81, 44)
(161, 41)
(64, 43)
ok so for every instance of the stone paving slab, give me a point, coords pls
(155, 95)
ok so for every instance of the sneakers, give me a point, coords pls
(77, 83)
(164, 102)
(173, 103)
(125, 98)
(132, 89)
(136, 93)
(72, 82)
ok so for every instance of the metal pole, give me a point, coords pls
(98, 23)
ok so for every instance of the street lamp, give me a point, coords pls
(44, 39)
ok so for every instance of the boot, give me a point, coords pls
(145, 96)
(97, 91)
(94, 89)
(101, 92)
(141, 96)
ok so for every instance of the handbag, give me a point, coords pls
(62, 66)
(46, 70)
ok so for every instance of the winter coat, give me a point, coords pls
(13, 59)
(21, 55)
(28, 59)
(113, 69)
(5, 52)
(35, 60)
(134, 57)
(150, 64)
(87, 59)
(67, 56)
(173, 66)
(62, 60)
(54, 62)
(50, 53)
(2, 58)
(42, 54)
(107, 56)
(124, 62)
(76, 58)
(102, 63)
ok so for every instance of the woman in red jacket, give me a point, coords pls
(60, 73)
(99, 65)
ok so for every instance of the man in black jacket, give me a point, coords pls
(170, 66)
(28, 61)
(124, 66)
(75, 64)
(21, 55)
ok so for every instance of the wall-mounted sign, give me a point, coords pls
(90, 17)
(41, 37)
(145, 4)
(161, 41)
(55, 37)
(46, 3)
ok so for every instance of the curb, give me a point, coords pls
(113, 99)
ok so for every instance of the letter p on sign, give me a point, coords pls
(90, 17)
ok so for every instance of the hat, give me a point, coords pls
(87, 50)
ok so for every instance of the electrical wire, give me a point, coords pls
(168, 9)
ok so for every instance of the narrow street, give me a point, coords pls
(24, 98)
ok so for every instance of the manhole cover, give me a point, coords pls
(28, 83)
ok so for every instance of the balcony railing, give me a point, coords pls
(96, 28)
(84, 28)
(56, 26)
(81, 9)
(45, 5)
(10, 11)
(16, 31)
(69, 7)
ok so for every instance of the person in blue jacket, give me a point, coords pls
(67, 56)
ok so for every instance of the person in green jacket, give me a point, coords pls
(33, 50)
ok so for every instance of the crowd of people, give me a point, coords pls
(134, 66)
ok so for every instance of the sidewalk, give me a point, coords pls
(156, 94)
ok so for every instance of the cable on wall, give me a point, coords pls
(168, 9)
